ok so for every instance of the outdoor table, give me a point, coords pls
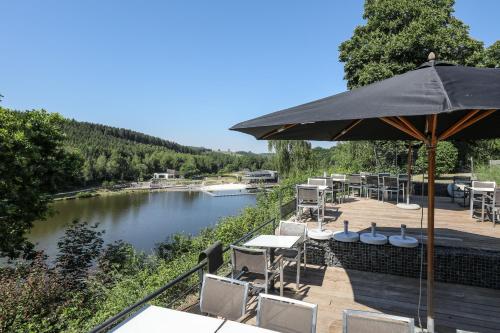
(234, 327)
(483, 191)
(155, 319)
(273, 242)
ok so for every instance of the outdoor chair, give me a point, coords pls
(492, 205)
(286, 315)
(372, 185)
(339, 183)
(355, 321)
(287, 228)
(476, 197)
(391, 185)
(309, 197)
(460, 188)
(252, 266)
(223, 297)
(355, 182)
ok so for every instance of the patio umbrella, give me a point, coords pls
(435, 102)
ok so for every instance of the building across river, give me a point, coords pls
(261, 176)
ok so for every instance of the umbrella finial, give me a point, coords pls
(431, 56)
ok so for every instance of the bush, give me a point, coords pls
(446, 158)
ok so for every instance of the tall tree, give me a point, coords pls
(397, 37)
(290, 156)
(33, 164)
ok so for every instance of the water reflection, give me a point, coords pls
(141, 219)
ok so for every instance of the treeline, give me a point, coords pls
(115, 154)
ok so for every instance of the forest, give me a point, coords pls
(106, 153)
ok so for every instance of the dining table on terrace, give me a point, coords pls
(156, 319)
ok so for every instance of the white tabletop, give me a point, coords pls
(320, 187)
(155, 319)
(273, 241)
(482, 189)
(234, 327)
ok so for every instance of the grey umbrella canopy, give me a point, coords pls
(369, 112)
(435, 102)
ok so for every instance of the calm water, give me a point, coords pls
(141, 219)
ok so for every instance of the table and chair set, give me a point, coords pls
(482, 196)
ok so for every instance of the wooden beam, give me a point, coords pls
(412, 127)
(347, 129)
(468, 122)
(278, 130)
(402, 128)
(450, 131)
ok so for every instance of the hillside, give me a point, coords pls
(111, 154)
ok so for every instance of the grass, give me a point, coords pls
(489, 173)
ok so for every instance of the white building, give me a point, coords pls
(170, 174)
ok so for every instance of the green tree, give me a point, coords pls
(446, 158)
(291, 156)
(396, 37)
(33, 163)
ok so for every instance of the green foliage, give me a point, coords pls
(33, 164)
(446, 158)
(491, 56)
(291, 156)
(116, 154)
(489, 173)
(398, 36)
(78, 249)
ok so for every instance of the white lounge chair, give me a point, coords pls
(356, 321)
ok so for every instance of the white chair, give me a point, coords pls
(355, 321)
(477, 196)
(223, 297)
(287, 228)
(286, 315)
(492, 205)
(309, 197)
(355, 182)
(392, 185)
(252, 265)
(339, 181)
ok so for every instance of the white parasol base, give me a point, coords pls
(319, 234)
(408, 206)
(348, 237)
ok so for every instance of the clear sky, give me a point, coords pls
(183, 70)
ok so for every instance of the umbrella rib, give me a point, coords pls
(412, 127)
(465, 122)
(400, 127)
(277, 130)
(345, 130)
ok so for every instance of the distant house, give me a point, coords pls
(170, 174)
(261, 176)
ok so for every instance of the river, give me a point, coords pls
(141, 218)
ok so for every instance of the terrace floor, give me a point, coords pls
(335, 289)
(453, 224)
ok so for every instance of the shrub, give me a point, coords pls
(446, 158)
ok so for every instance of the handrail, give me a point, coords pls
(178, 279)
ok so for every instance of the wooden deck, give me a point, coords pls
(335, 289)
(453, 224)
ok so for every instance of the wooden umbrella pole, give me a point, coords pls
(410, 161)
(431, 160)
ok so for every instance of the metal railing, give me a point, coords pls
(285, 209)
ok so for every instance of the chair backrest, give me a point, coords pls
(286, 314)
(307, 194)
(484, 184)
(383, 174)
(339, 177)
(390, 182)
(223, 297)
(244, 259)
(372, 180)
(496, 197)
(317, 181)
(287, 228)
(355, 321)
(355, 179)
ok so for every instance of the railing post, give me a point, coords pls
(200, 275)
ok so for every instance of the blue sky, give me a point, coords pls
(183, 70)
